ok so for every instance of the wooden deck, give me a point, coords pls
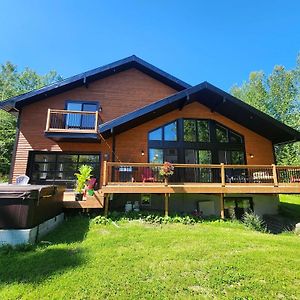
(96, 201)
(201, 188)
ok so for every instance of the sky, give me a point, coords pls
(217, 41)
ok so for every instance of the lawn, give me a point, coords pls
(134, 260)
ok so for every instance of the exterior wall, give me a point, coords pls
(118, 94)
(130, 143)
(187, 203)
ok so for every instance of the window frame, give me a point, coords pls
(213, 145)
(31, 162)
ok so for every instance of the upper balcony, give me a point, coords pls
(66, 125)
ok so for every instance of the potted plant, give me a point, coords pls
(83, 175)
(166, 170)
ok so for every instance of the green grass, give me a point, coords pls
(290, 206)
(213, 260)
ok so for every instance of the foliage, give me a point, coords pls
(82, 177)
(167, 169)
(13, 83)
(149, 217)
(135, 260)
(279, 96)
(254, 222)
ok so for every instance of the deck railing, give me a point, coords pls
(220, 174)
(72, 121)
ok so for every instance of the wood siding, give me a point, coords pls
(130, 143)
(118, 94)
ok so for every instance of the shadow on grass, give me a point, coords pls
(74, 229)
(36, 266)
(290, 210)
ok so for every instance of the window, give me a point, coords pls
(195, 141)
(235, 138)
(167, 133)
(203, 131)
(189, 130)
(156, 135)
(156, 156)
(237, 157)
(221, 134)
(59, 168)
(170, 132)
(85, 121)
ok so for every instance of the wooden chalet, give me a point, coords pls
(127, 118)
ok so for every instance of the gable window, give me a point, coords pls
(156, 135)
(77, 120)
(170, 132)
(189, 129)
(221, 134)
(195, 141)
(167, 132)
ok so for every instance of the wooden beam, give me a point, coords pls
(167, 204)
(222, 174)
(222, 205)
(275, 175)
(106, 203)
(104, 180)
(48, 119)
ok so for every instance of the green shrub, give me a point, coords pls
(102, 220)
(254, 222)
(147, 217)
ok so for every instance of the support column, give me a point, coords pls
(166, 204)
(222, 205)
(106, 202)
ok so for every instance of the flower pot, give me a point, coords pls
(78, 196)
(166, 180)
(90, 192)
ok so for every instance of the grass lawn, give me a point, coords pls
(213, 260)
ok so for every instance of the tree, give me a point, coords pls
(13, 83)
(279, 96)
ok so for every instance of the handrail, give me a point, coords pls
(259, 174)
(57, 121)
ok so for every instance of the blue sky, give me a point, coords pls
(217, 41)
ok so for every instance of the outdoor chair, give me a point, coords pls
(22, 180)
(147, 175)
(262, 176)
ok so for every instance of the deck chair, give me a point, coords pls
(22, 180)
(147, 175)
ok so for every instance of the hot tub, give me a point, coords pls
(29, 209)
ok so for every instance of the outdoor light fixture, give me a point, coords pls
(251, 155)
(142, 152)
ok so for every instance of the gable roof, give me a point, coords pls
(218, 101)
(133, 61)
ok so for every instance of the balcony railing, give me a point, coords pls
(218, 174)
(71, 121)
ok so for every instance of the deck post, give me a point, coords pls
(104, 173)
(48, 119)
(222, 174)
(166, 204)
(222, 205)
(275, 175)
(106, 201)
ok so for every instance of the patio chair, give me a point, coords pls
(147, 175)
(22, 180)
(262, 176)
